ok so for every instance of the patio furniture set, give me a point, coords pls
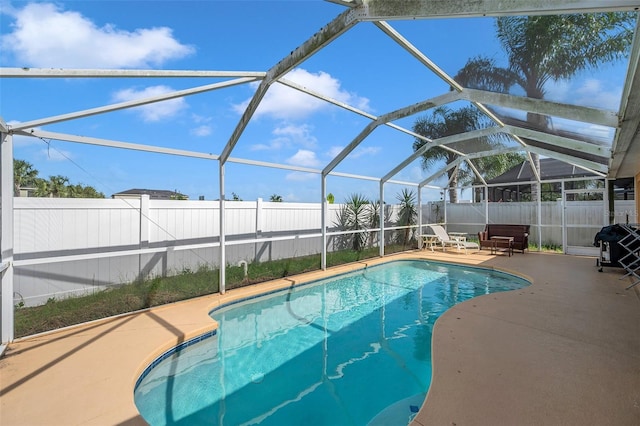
(497, 237)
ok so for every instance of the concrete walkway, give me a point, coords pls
(564, 351)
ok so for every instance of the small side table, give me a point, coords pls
(429, 240)
(460, 236)
(496, 240)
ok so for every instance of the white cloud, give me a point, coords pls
(590, 92)
(204, 128)
(155, 111)
(594, 132)
(355, 154)
(558, 91)
(335, 150)
(304, 158)
(287, 136)
(273, 145)
(299, 135)
(593, 94)
(283, 102)
(201, 131)
(364, 151)
(55, 154)
(411, 174)
(45, 35)
(299, 177)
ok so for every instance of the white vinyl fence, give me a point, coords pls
(584, 223)
(66, 247)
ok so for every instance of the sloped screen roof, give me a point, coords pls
(539, 119)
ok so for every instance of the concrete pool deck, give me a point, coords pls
(563, 351)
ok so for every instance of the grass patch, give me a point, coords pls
(549, 248)
(161, 290)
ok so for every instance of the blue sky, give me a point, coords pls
(363, 68)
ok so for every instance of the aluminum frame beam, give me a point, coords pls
(584, 164)
(37, 133)
(416, 53)
(8, 72)
(375, 10)
(394, 115)
(439, 142)
(348, 107)
(560, 141)
(534, 169)
(319, 40)
(539, 106)
(459, 160)
(130, 104)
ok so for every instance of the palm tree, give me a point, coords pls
(442, 122)
(358, 215)
(58, 186)
(91, 192)
(23, 175)
(408, 214)
(42, 188)
(81, 191)
(549, 48)
(275, 198)
(342, 223)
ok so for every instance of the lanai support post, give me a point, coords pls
(563, 216)
(539, 213)
(6, 239)
(486, 205)
(223, 261)
(419, 216)
(323, 221)
(381, 218)
(610, 201)
(444, 206)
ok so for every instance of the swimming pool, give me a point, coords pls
(354, 349)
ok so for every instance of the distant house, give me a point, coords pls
(154, 194)
(513, 185)
(27, 191)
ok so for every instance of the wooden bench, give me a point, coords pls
(520, 234)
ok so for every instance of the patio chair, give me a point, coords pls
(446, 241)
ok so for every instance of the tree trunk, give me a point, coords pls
(453, 191)
(535, 187)
(540, 123)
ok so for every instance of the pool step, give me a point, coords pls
(399, 413)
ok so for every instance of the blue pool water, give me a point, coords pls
(349, 350)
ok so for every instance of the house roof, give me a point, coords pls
(154, 194)
(550, 169)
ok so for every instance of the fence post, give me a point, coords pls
(259, 217)
(143, 238)
(486, 205)
(259, 226)
(144, 221)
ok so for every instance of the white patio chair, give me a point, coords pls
(446, 241)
